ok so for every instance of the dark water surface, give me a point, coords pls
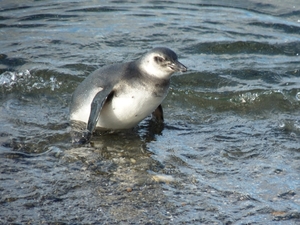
(230, 149)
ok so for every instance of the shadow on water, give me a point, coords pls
(116, 171)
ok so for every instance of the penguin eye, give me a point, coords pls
(158, 59)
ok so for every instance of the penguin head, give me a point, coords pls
(161, 62)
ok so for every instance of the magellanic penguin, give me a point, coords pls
(120, 96)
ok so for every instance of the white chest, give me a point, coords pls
(126, 110)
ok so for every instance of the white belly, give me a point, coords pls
(127, 110)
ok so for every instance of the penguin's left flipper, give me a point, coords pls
(96, 107)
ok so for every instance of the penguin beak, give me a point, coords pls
(178, 67)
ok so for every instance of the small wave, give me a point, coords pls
(10, 79)
(247, 97)
(25, 81)
(247, 47)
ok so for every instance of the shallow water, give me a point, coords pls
(229, 152)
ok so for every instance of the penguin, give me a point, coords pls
(119, 96)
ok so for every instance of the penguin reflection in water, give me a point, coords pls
(119, 96)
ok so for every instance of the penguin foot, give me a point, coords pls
(86, 137)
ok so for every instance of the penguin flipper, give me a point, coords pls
(96, 107)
